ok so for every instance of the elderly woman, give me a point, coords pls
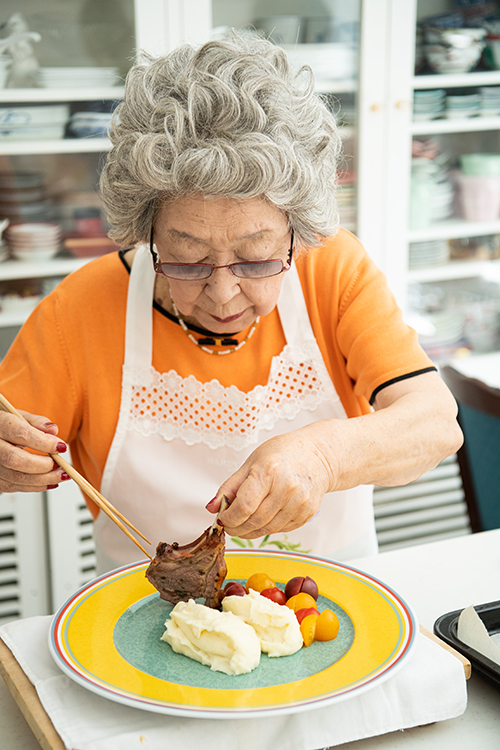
(244, 345)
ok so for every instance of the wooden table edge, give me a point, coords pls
(463, 659)
(26, 697)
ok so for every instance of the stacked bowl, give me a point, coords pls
(78, 77)
(453, 50)
(33, 242)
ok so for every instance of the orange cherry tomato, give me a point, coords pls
(308, 629)
(301, 601)
(259, 582)
(327, 626)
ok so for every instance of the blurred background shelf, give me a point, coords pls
(457, 80)
(62, 95)
(12, 269)
(455, 269)
(60, 146)
(452, 125)
(454, 228)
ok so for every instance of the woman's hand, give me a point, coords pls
(20, 470)
(281, 484)
(279, 487)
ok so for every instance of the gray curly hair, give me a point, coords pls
(230, 118)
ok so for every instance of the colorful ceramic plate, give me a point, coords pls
(107, 639)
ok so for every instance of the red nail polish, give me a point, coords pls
(65, 477)
(220, 522)
(55, 465)
(61, 447)
(211, 501)
(52, 486)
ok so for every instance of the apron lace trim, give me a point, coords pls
(218, 416)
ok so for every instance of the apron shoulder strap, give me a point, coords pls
(139, 321)
(293, 311)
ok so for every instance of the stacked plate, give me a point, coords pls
(431, 253)
(33, 242)
(23, 197)
(90, 124)
(78, 77)
(490, 101)
(442, 200)
(33, 123)
(428, 105)
(448, 328)
(463, 105)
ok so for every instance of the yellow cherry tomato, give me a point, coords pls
(260, 582)
(327, 626)
(301, 601)
(308, 629)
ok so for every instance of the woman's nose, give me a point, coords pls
(222, 286)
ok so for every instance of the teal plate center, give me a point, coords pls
(137, 637)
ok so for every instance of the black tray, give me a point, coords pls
(446, 628)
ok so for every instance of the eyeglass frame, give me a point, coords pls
(158, 265)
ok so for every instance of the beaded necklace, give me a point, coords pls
(217, 341)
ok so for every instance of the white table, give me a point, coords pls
(434, 578)
(485, 367)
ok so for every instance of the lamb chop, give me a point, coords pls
(192, 571)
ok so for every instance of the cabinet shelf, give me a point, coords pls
(458, 125)
(109, 93)
(456, 269)
(12, 269)
(60, 146)
(454, 229)
(455, 80)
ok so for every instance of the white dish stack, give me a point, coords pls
(33, 242)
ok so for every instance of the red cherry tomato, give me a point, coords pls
(275, 594)
(301, 613)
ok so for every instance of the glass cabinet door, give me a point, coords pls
(323, 34)
(454, 212)
(62, 68)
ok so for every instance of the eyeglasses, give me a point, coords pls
(258, 269)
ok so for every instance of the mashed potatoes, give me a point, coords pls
(221, 640)
(276, 626)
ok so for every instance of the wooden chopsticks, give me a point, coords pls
(86, 487)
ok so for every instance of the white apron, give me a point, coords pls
(178, 439)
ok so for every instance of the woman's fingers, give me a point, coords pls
(278, 488)
(20, 469)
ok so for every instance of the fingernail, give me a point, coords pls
(211, 501)
(52, 486)
(61, 447)
(220, 523)
(65, 477)
(50, 424)
(55, 465)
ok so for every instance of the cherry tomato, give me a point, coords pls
(275, 594)
(301, 601)
(234, 589)
(308, 629)
(327, 626)
(298, 584)
(301, 613)
(259, 582)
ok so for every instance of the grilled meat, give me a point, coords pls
(196, 570)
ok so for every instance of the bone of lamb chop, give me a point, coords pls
(192, 571)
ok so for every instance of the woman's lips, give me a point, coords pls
(227, 320)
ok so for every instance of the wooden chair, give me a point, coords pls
(479, 457)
